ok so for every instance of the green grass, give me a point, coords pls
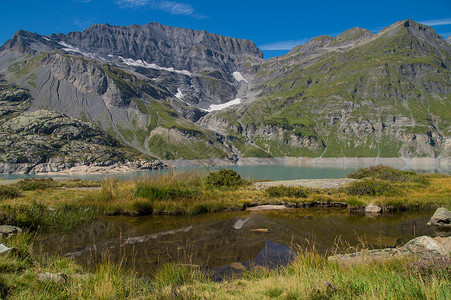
(309, 276)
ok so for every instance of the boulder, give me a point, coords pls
(373, 209)
(53, 277)
(441, 218)
(427, 247)
(7, 231)
(423, 247)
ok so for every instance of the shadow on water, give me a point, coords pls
(227, 243)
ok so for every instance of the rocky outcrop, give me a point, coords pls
(423, 248)
(441, 218)
(45, 141)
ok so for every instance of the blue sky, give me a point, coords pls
(274, 25)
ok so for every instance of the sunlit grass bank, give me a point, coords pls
(50, 205)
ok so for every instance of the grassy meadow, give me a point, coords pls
(42, 205)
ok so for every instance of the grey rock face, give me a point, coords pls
(182, 49)
(441, 218)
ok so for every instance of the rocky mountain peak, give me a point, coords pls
(352, 36)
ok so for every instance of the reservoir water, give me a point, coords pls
(271, 172)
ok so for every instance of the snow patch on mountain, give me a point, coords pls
(215, 107)
(144, 64)
(71, 48)
(179, 95)
(238, 77)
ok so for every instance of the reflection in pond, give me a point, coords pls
(227, 242)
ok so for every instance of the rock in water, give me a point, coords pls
(373, 209)
(441, 217)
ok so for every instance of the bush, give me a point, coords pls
(224, 178)
(36, 184)
(9, 192)
(286, 191)
(372, 187)
(161, 193)
(143, 207)
(389, 174)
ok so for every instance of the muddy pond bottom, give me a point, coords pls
(228, 243)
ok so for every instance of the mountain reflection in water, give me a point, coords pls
(230, 242)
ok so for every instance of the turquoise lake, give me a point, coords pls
(260, 172)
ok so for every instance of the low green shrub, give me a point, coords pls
(162, 193)
(38, 216)
(143, 207)
(286, 191)
(32, 184)
(389, 174)
(9, 192)
(224, 178)
(372, 187)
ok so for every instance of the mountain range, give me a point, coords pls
(146, 92)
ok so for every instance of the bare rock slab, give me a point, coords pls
(423, 247)
(441, 218)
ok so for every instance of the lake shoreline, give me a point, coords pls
(426, 164)
(422, 163)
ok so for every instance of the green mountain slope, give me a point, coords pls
(356, 95)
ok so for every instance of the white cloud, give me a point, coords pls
(437, 22)
(172, 7)
(283, 45)
(132, 3)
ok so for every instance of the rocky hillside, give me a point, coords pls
(356, 95)
(178, 93)
(49, 141)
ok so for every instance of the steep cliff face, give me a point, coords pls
(357, 94)
(179, 93)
